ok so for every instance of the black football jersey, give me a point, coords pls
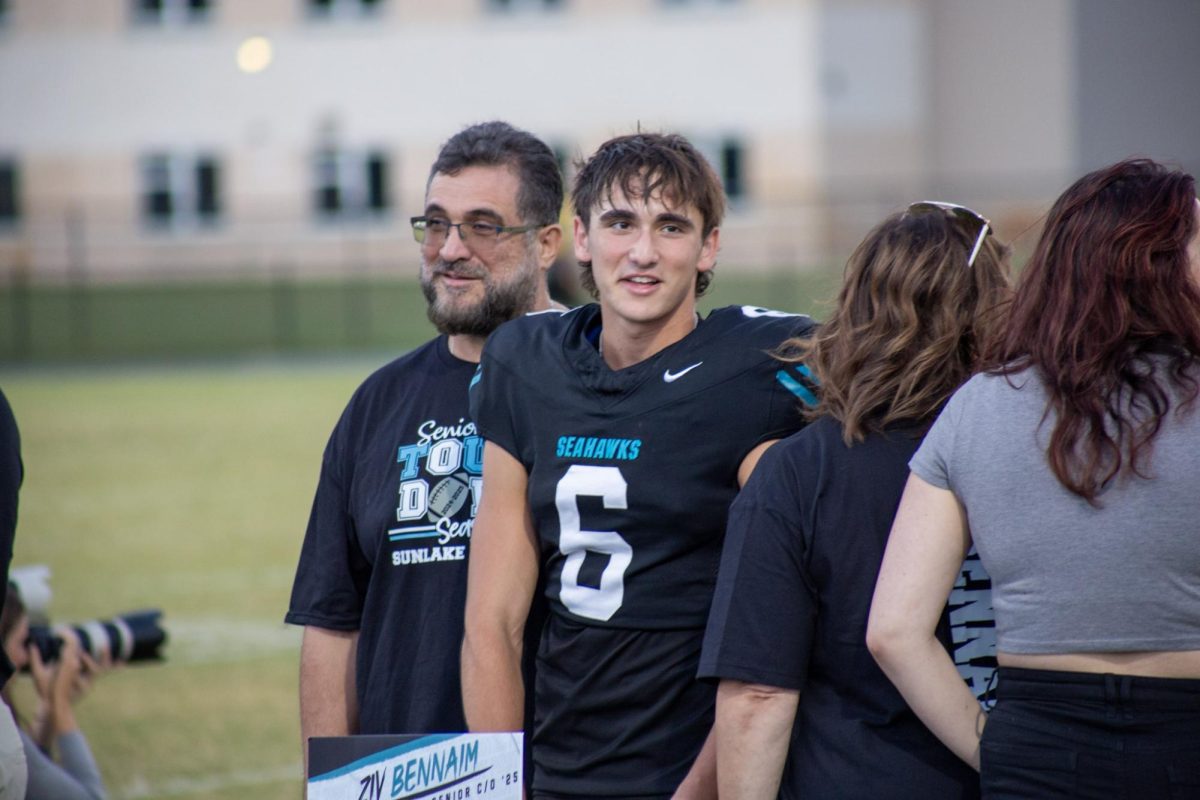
(631, 472)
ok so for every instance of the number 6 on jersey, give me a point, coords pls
(608, 484)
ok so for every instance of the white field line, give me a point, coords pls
(213, 640)
(140, 789)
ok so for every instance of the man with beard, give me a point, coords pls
(382, 575)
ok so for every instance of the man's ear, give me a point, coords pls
(549, 241)
(582, 253)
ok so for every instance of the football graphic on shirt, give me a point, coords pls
(448, 496)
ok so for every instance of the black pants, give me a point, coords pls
(1075, 734)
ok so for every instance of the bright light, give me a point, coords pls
(254, 54)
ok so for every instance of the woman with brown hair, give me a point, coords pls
(59, 685)
(1073, 465)
(805, 536)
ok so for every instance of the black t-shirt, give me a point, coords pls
(388, 537)
(630, 478)
(11, 474)
(805, 541)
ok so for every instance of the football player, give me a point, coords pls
(616, 437)
(382, 575)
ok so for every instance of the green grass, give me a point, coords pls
(185, 490)
(188, 489)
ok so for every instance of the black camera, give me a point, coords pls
(132, 637)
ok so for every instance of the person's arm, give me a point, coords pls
(746, 468)
(928, 542)
(501, 577)
(328, 695)
(701, 781)
(76, 758)
(59, 686)
(50, 781)
(753, 729)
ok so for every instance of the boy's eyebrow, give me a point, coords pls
(677, 219)
(614, 214)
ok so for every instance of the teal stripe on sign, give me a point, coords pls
(384, 755)
(796, 387)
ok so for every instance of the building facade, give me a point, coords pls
(160, 138)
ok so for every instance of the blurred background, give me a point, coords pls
(204, 247)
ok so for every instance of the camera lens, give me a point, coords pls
(132, 637)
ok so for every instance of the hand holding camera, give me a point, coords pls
(62, 683)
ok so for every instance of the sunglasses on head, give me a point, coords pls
(970, 218)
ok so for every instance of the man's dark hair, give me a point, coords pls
(648, 164)
(498, 144)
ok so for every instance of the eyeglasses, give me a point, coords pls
(961, 213)
(434, 230)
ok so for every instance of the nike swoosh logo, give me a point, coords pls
(671, 377)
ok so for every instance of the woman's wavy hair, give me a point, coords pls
(909, 323)
(1108, 313)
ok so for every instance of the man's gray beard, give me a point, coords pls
(502, 299)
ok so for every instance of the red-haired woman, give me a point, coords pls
(1073, 465)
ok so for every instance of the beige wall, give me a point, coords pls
(1004, 114)
(846, 108)
(40, 16)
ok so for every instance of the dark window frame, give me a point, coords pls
(171, 12)
(342, 9)
(10, 193)
(181, 191)
(351, 184)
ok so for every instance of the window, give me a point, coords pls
(524, 5)
(351, 184)
(180, 190)
(10, 208)
(325, 9)
(731, 167)
(728, 157)
(159, 12)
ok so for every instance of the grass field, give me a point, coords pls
(187, 488)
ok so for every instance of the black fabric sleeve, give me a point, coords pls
(763, 619)
(495, 401)
(331, 576)
(788, 387)
(11, 474)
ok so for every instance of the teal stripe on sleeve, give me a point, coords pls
(796, 387)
